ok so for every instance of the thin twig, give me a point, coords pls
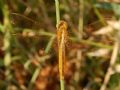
(112, 62)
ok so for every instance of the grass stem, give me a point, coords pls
(62, 85)
(80, 26)
(57, 11)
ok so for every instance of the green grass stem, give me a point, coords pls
(57, 11)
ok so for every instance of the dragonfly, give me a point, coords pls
(62, 40)
(22, 21)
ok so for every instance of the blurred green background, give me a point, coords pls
(28, 45)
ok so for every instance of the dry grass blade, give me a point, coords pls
(110, 68)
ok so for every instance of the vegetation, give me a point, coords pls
(59, 45)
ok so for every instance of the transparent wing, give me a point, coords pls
(22, 21)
